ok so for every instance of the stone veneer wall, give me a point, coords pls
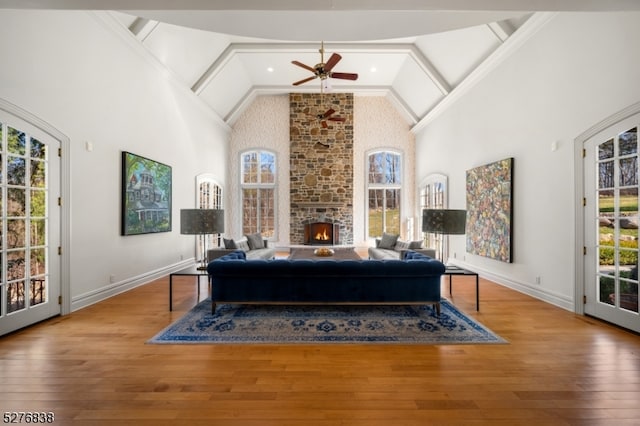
(321, 164)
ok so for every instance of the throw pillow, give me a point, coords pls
(415, 244)
(243, 245)
(255, 241)
(388, 241)
(401, 245)
(229, 244)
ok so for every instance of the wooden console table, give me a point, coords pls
(452, 270)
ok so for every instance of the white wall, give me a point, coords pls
(574, 72)
(86, 76)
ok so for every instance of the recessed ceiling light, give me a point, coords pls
(373, 69)
(270, 69)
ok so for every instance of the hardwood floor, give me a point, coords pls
(93, 368)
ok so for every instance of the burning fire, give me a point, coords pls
(322, 236)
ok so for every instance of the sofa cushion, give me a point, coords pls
(415, 244)
(243, 244)
(401, 245)
(229, 243)
(255, 241)
(388, 241)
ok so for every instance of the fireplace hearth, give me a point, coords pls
(321, 233)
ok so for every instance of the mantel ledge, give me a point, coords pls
(317, 204)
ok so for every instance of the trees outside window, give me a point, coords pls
(384, 191)
(258, 187)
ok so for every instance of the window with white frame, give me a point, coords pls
(384, 189)
(433, 195)
(258, 187)
(209, 196)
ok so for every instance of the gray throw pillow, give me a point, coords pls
(255, 241)
(388, 241)
(415, 244)
(229, 243)
(401, 245)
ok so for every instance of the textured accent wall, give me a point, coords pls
(321, 163)
(263, 125)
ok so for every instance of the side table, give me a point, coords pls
(452, 270)
(190, 271)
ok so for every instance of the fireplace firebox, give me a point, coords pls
(321, 233)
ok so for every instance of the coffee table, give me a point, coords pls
(339, 253)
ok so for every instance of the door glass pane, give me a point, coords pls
(17, 141)
(628, 142)
(16, 168)
(15, 296)
(607, 290)
(16, 202)
(605, 150)
(38, 291)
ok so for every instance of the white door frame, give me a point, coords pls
(65, 195)
(579, 142)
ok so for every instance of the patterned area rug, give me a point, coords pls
(402, 324)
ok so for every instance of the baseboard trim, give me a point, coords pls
(555, 299)
(103, 293)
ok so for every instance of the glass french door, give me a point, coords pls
(29, 233)
(611, 224)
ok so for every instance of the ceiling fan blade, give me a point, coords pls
(306, 67)
(344, 75)
(333, 60)
(297, 83)
(324, 124)
(336, 119)
(328, 113)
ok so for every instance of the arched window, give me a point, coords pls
(433, 195)
(258, 186)
(384, 187)
(209, 196)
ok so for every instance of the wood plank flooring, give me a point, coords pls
(93, 368)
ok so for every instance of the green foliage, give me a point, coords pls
(627, 257)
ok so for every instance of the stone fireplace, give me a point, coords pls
(321, 167)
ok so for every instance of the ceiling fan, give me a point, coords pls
(328, 116)
(322, 70)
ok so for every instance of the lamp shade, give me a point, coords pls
(443, 221)
(201, 221)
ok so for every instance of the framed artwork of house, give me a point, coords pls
(146, 195)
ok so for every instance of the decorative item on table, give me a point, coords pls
(323, 252)
(202, 222)
(444, 222)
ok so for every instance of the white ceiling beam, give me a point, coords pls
(142, 28)
(501, 29)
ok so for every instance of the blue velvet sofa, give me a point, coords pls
(412, 280)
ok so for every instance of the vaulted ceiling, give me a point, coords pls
(414, 52)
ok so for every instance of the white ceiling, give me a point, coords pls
(414, 52)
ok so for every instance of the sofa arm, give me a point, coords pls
(216, 253)
(426, 251)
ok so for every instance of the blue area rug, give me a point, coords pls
(400, 324)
